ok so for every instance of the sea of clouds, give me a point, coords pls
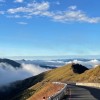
(90, 63)
(10, 74)
(30, 68)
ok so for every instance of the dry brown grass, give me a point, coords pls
(92, 75)
(66, 74)
(49, 90)
(62, 74)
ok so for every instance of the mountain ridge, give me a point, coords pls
(23, 90)
(10, 62)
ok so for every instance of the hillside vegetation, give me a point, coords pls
(68, 73)
(48, 90)
(92, 75)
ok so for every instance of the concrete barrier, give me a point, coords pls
(60, 94)
(97, 85)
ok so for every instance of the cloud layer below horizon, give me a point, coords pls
(10, 74)
(30, 68)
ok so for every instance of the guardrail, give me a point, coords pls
(97, 85)
(60, 94)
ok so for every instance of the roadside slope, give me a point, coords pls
(23, 90)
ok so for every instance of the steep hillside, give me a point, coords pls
(92, 75)
(48, 90)
(26, 88)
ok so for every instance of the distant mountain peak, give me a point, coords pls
(10, 62)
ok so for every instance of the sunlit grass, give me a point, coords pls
(46, 91)
(61, 74)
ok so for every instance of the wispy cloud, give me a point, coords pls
(73, 7)
(72, 14)
(30, 8)
(22, 23)
(19, 1)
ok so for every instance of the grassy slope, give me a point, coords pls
(92, 75)
(48, 90)
(62, 74)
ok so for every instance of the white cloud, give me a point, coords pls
(39, 6)
(19, 9)
(19, 1)
(33, 7)
(89, 64)
(72, 7)
(22, 23)
(72, 14)
(33, 69)
(9, 74)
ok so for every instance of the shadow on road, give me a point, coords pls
(94, 91)
(81, 93)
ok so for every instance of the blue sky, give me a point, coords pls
(49, 27)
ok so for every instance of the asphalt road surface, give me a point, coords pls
(82, 93)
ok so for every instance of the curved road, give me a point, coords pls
(82, 93)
